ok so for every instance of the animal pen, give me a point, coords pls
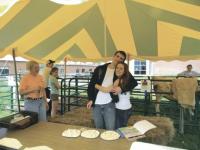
(73, 99)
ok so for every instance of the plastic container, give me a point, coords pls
(20, 120)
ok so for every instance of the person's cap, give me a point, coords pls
(50, 61)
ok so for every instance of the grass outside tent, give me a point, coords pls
(7, 101)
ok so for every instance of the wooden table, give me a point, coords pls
(50, 134)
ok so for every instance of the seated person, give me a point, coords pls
(188, 72)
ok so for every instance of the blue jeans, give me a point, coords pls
(38, 106)
(122, 117)
(104, 116)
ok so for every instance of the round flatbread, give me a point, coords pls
(11, 143)
(71, 133)
(90, 134)
(110, 135)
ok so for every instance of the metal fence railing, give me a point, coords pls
(74, 94)
(8, 95)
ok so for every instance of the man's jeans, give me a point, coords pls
(122, 117)
(104, 116)
(38, 106)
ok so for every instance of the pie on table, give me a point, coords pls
(71, 133)
(11, 143)
(90, 134)
(110, 135)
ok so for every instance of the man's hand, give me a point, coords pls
(116, 90)
(109, 89)
(89, 104)
(104, 89)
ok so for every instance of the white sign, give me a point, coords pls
(148, 146)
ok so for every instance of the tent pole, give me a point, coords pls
(15, 67)
(65, 65)
(128, 59)
(105, 32)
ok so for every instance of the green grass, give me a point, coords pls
(5, 113)
(5, 97)
(186, 141)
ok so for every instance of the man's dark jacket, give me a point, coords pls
(98, 77)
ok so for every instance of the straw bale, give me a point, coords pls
(164, 132)
(78, 116)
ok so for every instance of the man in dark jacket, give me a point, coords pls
(104, 103)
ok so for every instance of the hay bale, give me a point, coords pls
(79, 116)
(80, 111)
(72, 121)
(164, 132)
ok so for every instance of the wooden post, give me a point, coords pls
(16, 79)
(65, 65)
(128, 59)
(65, 75)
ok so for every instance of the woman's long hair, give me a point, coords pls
(54, 69)
(123, 80)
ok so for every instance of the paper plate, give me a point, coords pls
(110, 135)
(90, 134)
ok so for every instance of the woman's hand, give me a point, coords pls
(116, 90)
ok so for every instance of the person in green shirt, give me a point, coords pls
(46, 74)
(54, 86)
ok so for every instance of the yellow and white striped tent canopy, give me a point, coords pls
(94, 30)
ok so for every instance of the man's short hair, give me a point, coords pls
(189, 65)
(50, 61)
(30, 64)
(122, 53)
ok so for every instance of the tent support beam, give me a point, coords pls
(15, 67)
